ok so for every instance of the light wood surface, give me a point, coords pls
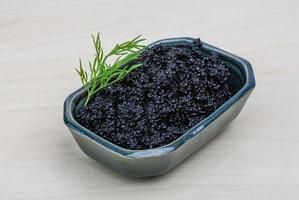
(256, 157)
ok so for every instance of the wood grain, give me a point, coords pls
(256, 157)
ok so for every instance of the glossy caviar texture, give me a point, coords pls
(174, 90)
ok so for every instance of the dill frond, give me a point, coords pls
(101, 73)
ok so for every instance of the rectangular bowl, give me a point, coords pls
(156, 161)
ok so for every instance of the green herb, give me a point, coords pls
(101, 72)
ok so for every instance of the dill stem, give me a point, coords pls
(87, 99)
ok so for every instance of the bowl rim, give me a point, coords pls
(188, 135)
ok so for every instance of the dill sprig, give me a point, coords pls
(101, 73)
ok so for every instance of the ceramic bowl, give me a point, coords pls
(156, 161)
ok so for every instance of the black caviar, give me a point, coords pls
(176, 88)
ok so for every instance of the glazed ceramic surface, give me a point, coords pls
(153, 162)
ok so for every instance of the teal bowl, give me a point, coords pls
(157, 161)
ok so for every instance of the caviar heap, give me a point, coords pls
(174, 89)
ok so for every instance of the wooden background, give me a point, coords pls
(257, 157)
